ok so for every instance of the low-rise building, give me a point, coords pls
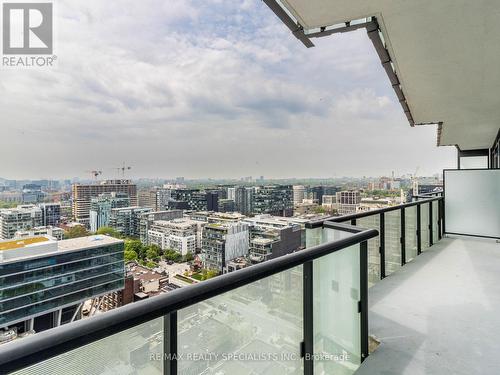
(348, 201)
(54, 232)
(181, 235)
(271, 237)
(147, 219)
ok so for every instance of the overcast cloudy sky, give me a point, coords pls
(212, 88)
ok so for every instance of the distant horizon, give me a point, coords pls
(215, 179)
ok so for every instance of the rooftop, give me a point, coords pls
(86, 242)
(19, 243)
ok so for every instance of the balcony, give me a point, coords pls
(439, 314)
(270, 318)
(400, 274)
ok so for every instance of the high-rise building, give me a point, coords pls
(299, 193)
(101, 206)
(231, 193)
(244, 202)
(157, 198)
(222, 243)
(83, 193)
(24, 217)
(276, 200)
(51, 214)
(212, 198)
(127, 220)
(44, 282)
(147, 198)
(146, 219)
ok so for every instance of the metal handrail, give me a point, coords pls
(22, 353)
(358, 215)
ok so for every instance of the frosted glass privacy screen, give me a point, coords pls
(472, 202)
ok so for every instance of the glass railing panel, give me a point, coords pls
(321, 235)
(410, 233)
(392, 241)
(435, 221)
(424, 225)
(336, 292)
(372, 222)
(254, 329)
(135, 351)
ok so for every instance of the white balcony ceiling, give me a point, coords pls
(446, 53)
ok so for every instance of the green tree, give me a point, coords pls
(137, 247)
(189, 257)
(151, 264)
(130, 255)
(108, 231)
(153, 252)
(208, 274)
(172, 255)
(76, 231)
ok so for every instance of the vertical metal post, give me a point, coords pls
(440, 219)
(419, 231)
(170, 344)
(403, 238)
(382, 245)
(307, 349)
(431, 220)
(363, 303)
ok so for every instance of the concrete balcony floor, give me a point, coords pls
(440, 314)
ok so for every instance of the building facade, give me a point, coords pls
(147, 219)
(127, 220)
(276, 200)
(23, 217)
(101, 206)
(44, 282)
(181, 235)
(51, 214)
(82, 195)
(222, 243)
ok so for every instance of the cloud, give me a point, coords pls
(212, 88)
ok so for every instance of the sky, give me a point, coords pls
(212, 88)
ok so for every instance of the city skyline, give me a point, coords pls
(221, 101)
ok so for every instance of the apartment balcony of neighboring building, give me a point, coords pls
(420, 278)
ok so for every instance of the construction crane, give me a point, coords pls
(94, 173)
(123, 169)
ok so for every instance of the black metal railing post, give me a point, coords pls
(307, 346)
(363, 303)
(382, 245)
(170, 344)
(419, 230)
(403, 238)
(431, 219)
(440, 220)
